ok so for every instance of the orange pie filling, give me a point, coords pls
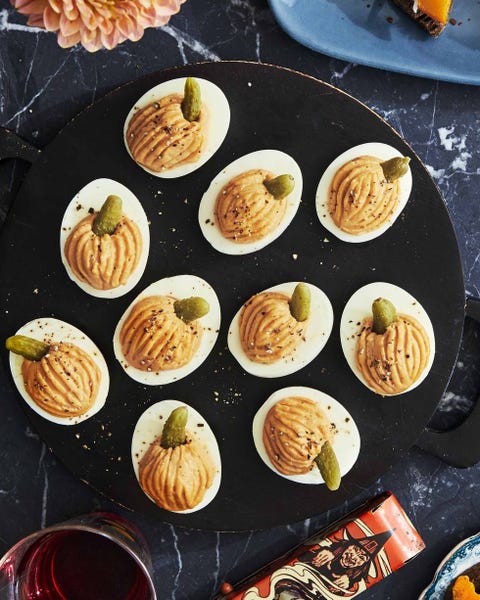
(438, 10)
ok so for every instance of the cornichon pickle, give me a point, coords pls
(173, 433)
(395, 167)
(27, 347)
(189, 309)
(384, 314)
(280, 186)
(329, 468)
(192, 100)
(300, 302)
(108, 217)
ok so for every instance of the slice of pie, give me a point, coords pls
(432, 15)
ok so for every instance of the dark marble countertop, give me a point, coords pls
(43, 87)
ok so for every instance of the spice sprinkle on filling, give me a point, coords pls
(391, 362)
(245, 210)
(177, 478)
(268, 331)
(64, 382)
(360, 197)
(107, 261)
(159, 137)
(154, 339)
(294, 432)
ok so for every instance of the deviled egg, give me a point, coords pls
(297, 428)
(175, 127)
(105, 239)
(387, 338)
(168, 330)
(58, 370)
(175, 457)
(251, 202)
(363, 191)
(280, 330)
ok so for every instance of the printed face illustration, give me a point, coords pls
(353, 556)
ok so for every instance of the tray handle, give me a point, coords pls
(459, 447)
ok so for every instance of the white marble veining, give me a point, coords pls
(337, 75)
(45, 497)
(184, 40)
(7, 25)
(216, 569)
(420, 492)
(29, 102)
(179, 558)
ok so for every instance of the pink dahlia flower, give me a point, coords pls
(97, 23)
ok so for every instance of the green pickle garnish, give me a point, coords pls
(280, 187)
(192, 100)
(173, 433)
(395, 167)
(108, 217)
(27, 347)
(329, 468)
(300, 302)
(189, 309)
(384, 314)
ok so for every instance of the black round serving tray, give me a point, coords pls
(271, 107)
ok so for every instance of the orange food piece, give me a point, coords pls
(463, 589)
(438, 10)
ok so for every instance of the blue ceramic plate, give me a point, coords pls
(359, 31)
(461, 558)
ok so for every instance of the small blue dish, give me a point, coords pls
(462, 557)
(378, 34)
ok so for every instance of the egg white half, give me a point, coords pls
(318, 329)
(360, 306)
(274, 161)
(179, 286)
(149, 427)
(93, 195)
(218, 120)
(48, 330)
(379, 150)
(346, 442)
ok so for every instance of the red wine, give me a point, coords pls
(79, 565)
